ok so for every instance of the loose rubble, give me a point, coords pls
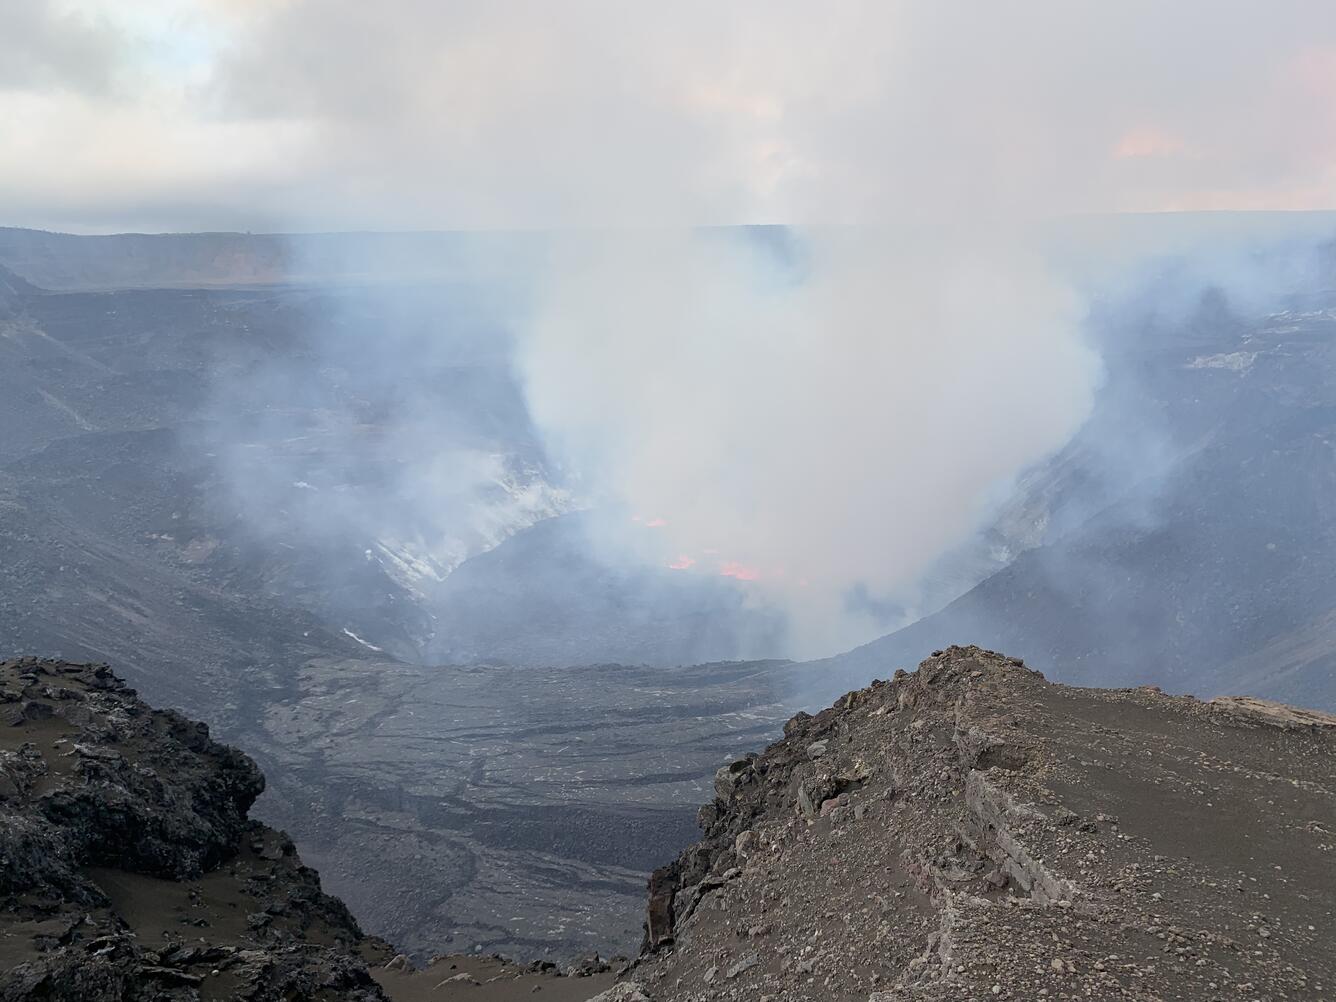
(971, 831)
(965, 831)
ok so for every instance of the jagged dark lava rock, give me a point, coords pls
(129, 869)
(971, 831)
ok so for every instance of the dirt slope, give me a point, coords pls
(966, 831)
(971, 831)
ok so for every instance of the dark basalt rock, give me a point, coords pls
(128, 864)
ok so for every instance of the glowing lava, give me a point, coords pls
(733, 569)
(682, 563)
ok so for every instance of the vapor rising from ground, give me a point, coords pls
(821, 413)
(820, 419)
(818, 414)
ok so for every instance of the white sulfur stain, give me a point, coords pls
(349, 633)
(1234, 361)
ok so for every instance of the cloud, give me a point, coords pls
(45, 48)
(342, 114)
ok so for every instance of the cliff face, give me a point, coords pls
(129, 868)
(970, 830)
(1206, 572)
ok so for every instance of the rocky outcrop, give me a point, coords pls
(992, 820)
(970, 830)
(129, 868)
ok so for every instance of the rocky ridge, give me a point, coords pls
(129, 868)
(972, 831)
(965, 831)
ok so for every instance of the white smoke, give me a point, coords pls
(841, 415)
(824, 421)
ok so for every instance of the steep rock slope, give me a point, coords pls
(1187, 531)
(971, 831)
(129, 868)
(268, 451)
(123, 540)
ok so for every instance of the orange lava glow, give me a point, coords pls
(733, 569)
(682, 563)
(656, 523)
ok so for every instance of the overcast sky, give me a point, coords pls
(328, 114)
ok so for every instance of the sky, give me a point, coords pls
(339, 114)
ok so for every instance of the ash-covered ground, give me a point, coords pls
(969, 830)
(513, 809)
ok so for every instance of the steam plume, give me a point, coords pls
(824, 417)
